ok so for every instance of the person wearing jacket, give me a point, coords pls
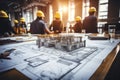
(6, 28)
(56, 25)
(23, 26)
(90, 22)
(38, 26)
(16, 26)
(78, 25)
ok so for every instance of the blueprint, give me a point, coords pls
(49, 63)
(44, 62)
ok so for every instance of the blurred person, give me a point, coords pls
(56, 25)
(16, 26)
(6, 28)
(78, 25)
(90, 22)
(71, 30)
(38, 26)
(23, 26)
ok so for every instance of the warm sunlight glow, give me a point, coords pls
(61, 12)
(71, 11)
(51, 14)
(64, 8)
(85, 9)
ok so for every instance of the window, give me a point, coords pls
(86, 5)
(102, 12)
(50, 14)
(71, 11)
(103, 9)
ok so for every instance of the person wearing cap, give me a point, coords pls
(23, 26)
(6, 28)
(78, 25)
(38, 26)
(16, 26)
(90, 22)
(56, 25)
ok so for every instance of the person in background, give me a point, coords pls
(38, 26)
(6, 28)
(56, 25)
(78, 25)
(23, 26)
(90, 22)
(16, 26)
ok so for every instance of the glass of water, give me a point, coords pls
(83, 31)
(100, 29)
(111, 31)
(84, 34)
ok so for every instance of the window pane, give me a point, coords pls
(103, 9)
(103, 1)
(85, 9)
(71, 13)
